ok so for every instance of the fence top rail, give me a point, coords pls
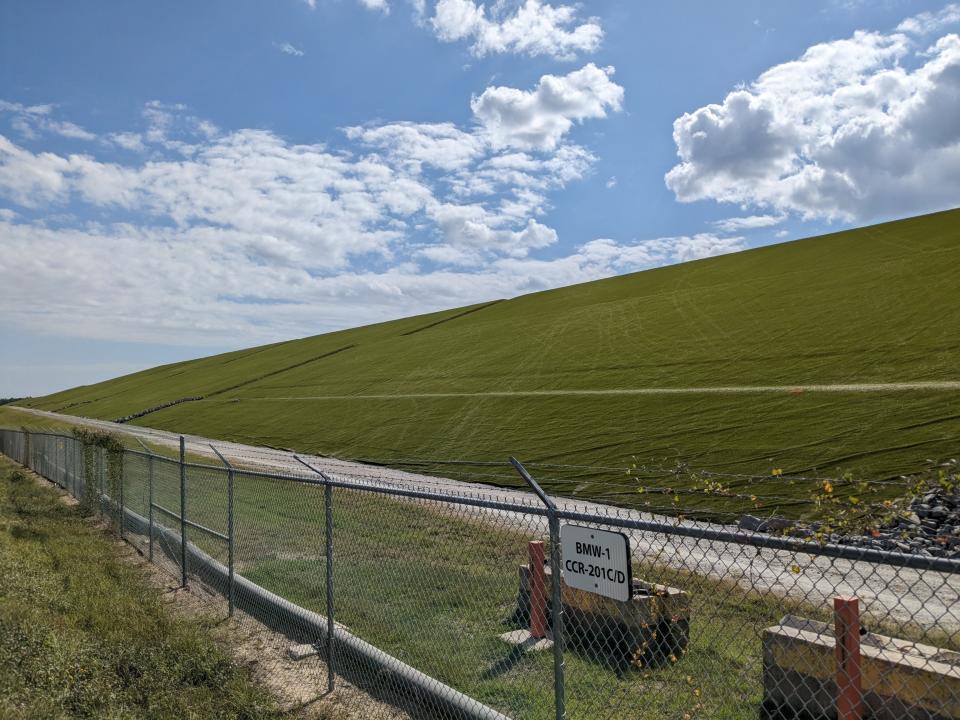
(693, 529)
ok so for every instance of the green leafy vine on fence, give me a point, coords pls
(100, 481)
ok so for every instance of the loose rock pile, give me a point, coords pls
(931, 528)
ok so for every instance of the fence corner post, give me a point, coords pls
(328, 517)
(328, 508)
(556, 599)
(183, 512)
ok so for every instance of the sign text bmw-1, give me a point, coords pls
(596, 561)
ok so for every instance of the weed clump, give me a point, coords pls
(102, 472)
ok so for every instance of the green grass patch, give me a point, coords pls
(81, 636)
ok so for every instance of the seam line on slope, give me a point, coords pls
(281, 370)
(163, 406)
(452, 317)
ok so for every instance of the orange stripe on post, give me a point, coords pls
(538, 591)
(846, 618)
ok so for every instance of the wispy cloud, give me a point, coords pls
(33, 120)
(750, 222)
(931, 22)
(381, 5)
(289, 49)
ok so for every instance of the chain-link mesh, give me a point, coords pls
(445, 602)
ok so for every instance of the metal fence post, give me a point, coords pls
(328, 518)
(77, 468)
(149, 500)
(556, 601)
(150, 509)
(328, 503)
(122, 478)
(183, 512)
(230, 582)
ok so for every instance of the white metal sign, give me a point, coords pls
(596, 561)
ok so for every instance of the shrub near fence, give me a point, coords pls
(421, 597)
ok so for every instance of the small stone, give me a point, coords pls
(775, 524)
(299, 652)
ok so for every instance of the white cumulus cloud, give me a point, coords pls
(539, 118)
(531, 27)
(857, 128)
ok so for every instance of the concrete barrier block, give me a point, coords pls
(901, 680)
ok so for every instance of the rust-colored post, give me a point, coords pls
(538, 591)
(846, 618)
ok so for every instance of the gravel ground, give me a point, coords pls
(897, 596)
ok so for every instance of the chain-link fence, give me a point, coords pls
(448, 604)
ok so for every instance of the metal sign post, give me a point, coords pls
(556, 611)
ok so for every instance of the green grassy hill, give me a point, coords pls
(874, 305)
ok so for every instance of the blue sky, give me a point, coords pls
(178, 179)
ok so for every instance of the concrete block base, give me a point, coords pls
(901, 680)
(652, 629)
